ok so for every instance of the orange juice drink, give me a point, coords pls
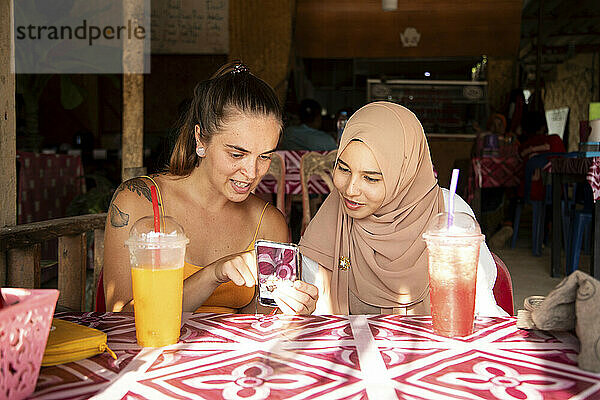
(453, 256)
(157, 280)
(157, 294)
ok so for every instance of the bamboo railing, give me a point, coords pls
(21, 247)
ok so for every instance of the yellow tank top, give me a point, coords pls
(227, 297)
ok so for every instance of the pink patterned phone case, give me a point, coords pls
(278, 265)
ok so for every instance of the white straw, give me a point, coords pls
(450, 210)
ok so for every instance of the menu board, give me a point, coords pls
(441, 106)
(190, 27)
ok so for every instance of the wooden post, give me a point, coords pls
(537, 99)
(133, 94)
(25, 269)
(129, 173)
(133, 123)
(98, 259)
(8, 177)
(72, 256)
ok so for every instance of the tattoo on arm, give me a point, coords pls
(140, 187)
(118, 218)
(136, 186)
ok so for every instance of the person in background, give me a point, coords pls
(491, 141)
(223, 151)
(534, 140)
(364, 248)
(537, 141)
(307, 135)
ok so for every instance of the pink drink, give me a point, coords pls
(453, 258)
(452, 278)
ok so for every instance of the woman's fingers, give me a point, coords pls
(241, 269)
(307, 288)
(301, 298)
(250, 260)
(283, 306)
(230, 271)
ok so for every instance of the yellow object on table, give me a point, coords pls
(71, 342)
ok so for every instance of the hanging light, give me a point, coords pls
(389, 5)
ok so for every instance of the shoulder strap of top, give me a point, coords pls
(259, 222)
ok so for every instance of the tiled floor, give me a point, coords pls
(531, 275)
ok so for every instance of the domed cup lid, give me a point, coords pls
(142, 234)
(463, 225)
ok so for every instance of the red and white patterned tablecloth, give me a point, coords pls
(593, 177)
(579, 165)
(500, 171)
(292, 176)
(326, 357)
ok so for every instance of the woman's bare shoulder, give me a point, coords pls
(273, 225)
(132, 198)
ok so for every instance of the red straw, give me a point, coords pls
(156, 221)
(155, 209)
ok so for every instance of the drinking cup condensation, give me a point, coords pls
(157, 278)
(453, 254)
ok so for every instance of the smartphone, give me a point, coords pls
(278, 265)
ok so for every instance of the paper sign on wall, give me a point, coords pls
(594, 111)
(556, 120)
(190, 27)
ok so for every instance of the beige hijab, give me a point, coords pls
(386, 251)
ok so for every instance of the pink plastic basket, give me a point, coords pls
(24, 328)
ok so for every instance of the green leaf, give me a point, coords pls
(71, 96)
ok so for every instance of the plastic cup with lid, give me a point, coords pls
(157, 260)
(453, 255)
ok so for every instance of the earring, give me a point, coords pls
(200, 151)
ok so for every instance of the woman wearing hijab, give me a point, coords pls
(364, 248)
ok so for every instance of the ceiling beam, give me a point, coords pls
(578, 48)
(559, 35)
(554, 18)
(565, 11)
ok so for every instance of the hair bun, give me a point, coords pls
(239, 68)
(232, 67)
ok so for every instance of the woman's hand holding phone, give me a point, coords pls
(291, 295)
(301, 298)
(279, 283)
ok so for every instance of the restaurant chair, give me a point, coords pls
(277, 171)
(579, 226)
(580, 223)
(503, 290)
(100, 305)
(311, 164)
(536, 162)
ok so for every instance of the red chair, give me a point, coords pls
(503, 290)
(100, 300)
